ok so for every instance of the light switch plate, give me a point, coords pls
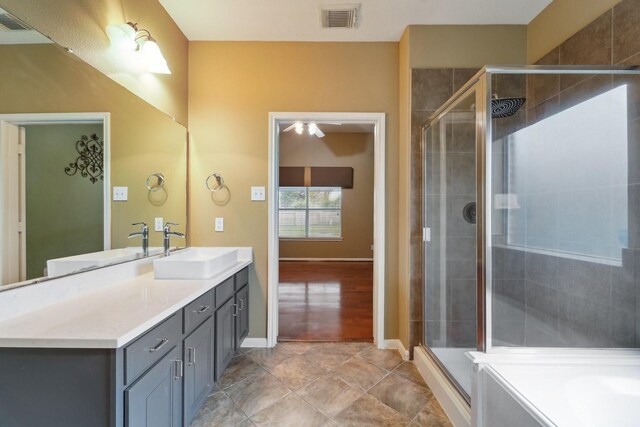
(219, 224)
(257, 194)
(120, 194)
(158, 224)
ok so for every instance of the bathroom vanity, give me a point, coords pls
(132, 350)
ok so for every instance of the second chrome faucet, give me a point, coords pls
(167, 233)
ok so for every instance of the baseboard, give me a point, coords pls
(395, 345)
(329, 259)
(454, 405)
(254, 342)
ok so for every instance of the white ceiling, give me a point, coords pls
(299, 20)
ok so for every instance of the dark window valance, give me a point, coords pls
(315, 176)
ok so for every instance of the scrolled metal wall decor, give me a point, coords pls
(90, 160)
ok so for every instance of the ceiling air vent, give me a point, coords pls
(342, 16)
(9, 23)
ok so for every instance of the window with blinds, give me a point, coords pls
(310, 212)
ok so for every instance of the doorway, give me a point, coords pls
(53, 182)
(313, 212)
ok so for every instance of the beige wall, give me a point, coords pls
(404, 178)
(46, 79)
(336, 149)
(81, 25)
(559, 21)
(466, 46)
(232, 88)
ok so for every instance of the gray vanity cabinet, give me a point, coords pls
(225, 335)
(242, 319)
(161, 378)
(156, 398)
(198, 368)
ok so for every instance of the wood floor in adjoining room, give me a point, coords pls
(325, 301)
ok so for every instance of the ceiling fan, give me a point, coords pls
(312, 128)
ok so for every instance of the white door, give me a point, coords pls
(12, 236)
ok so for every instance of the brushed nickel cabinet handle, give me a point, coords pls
(179, 369)
(235, 310)
(192, 355)
(241, 304)
(202, 309)
(163, 341)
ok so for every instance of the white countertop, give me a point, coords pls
(108, 317)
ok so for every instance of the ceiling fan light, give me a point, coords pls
(299, 127)
(312, 128)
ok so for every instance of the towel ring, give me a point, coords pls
(219, 182)
(159, 184)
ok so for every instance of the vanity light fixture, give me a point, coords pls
(128, 37)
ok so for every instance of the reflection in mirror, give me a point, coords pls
(53, 185)
(58, 213)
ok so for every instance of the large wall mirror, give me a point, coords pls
(68, 136)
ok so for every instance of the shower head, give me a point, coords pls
(505, 107)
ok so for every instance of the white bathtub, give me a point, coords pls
(565, 390)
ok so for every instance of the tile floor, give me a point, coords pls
(321, 384)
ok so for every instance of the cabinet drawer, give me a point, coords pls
(242, 278)
(198, 311)
(224, 291)
(149, 348)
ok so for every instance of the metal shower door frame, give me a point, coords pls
(477, 85)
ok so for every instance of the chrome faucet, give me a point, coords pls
(145, 237)
(167, 235)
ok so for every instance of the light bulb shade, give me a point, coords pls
(122, 36)
(152, 57)
(312, 128)
(299, 128)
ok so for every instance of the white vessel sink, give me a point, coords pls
(63, 266)
(195, 263)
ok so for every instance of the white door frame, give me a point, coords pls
(378, 121)
(78, 118)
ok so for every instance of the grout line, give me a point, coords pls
(611, 39)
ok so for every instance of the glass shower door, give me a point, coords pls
(449, 194)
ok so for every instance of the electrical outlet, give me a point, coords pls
(257, 194)
(219, 224)
(120, 194)
(159, 224)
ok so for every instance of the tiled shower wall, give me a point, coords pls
(550, 301)
(605, 299)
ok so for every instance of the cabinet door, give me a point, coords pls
(198, 369)
(225, 335)
(242, 319)
(155, 399)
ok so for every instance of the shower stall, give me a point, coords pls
(531, 215)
